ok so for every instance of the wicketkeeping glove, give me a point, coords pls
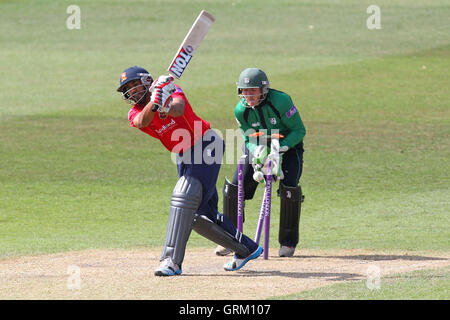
(276, 159)
(260, 154)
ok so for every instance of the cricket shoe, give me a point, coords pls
(222, 251)
(167, 269)
(286, 251)
(237, 263)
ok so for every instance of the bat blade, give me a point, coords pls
(190, 44)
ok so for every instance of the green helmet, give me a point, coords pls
(253, 78)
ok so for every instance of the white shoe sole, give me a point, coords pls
(167, 272)
(231, 266)
(286, 252)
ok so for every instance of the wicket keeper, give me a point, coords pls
(263, 108)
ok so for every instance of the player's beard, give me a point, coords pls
(141, 97)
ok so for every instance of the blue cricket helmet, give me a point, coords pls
(134, 73)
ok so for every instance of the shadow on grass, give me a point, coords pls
(289, 274)
(374, 257)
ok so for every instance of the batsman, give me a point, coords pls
(266, 110)
(161, 110)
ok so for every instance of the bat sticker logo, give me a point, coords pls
(181, 61)
(189, 49)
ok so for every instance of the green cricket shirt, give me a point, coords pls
(277, 114)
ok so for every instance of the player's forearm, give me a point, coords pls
(297, 131)
(177, 108)
(293, 138)
(144, 118)
(250, 144)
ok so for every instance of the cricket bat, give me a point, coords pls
(190, 43)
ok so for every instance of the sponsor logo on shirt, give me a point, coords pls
(273, 120)
(164, 128)
(256, 124)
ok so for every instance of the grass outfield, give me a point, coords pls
(375, 104)
(418, 285)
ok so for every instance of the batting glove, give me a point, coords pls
(161, 92)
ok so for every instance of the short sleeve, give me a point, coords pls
(132, 114)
